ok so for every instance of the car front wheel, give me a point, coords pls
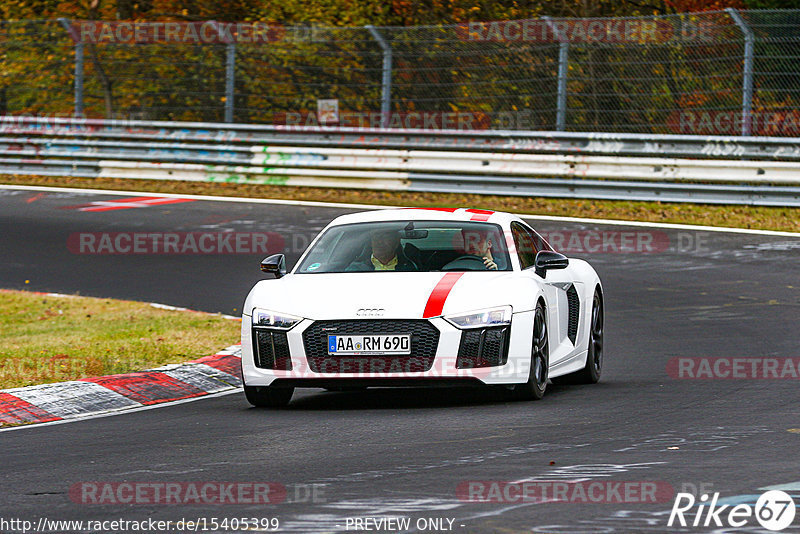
(590, 374)
(534, 388)
(594, 358)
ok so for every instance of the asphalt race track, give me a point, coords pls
(410, 453)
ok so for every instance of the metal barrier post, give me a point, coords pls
(386, 83)
(563, 64)
(78, 102)
(747, 83)
(230, 63)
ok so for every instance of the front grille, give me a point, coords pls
(574, 306)
(424, 341)
(483, 347)
(271, 349)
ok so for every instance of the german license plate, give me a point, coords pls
(369, 344)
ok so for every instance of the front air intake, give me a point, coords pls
(483, 347)
(271, 349)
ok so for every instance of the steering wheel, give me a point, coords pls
(467, 262)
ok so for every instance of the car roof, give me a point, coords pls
(427, 214)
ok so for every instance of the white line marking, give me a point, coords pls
(372, 206)
(121, 411)
(195, 197)
(791, 486)
(674, 226)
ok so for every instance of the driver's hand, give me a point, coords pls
(490, 264)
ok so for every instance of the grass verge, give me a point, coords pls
(56, 338)
(756, 217)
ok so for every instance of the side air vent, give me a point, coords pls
(574, 312)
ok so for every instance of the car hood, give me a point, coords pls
(401, 295)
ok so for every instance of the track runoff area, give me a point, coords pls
(691, 428)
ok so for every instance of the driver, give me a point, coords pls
(478, 243)
(386, 254)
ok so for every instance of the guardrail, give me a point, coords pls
(741, 170)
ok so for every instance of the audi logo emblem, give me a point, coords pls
(370, 312)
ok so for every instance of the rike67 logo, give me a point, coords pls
(774, 510)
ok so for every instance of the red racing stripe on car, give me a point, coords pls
(480, 215)
(448, 210)
(439, 295)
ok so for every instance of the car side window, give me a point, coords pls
(526, 249)
(538, 241)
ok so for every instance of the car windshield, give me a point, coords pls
(417, 246)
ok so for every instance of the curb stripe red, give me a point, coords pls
(137, 204)
(104, 394)
(439, 295)
(222, 362)
(126, 203)
(14, 411)
(147, 388)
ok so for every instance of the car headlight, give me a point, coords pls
(272, 319)
(482, 318)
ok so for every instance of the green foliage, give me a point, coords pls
(772, 4)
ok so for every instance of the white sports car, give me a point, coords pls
(422, 297)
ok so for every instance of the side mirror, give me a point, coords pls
(275, 264)
(546, 260)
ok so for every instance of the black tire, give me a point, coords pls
(590, 374)
(535, 387)
(594, 359)
(268, 397)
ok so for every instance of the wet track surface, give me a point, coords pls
(411, 453)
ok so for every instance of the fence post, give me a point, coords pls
(563, 64)
(78, 86)
(230, 63)
(747, 82)
(386, 83)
